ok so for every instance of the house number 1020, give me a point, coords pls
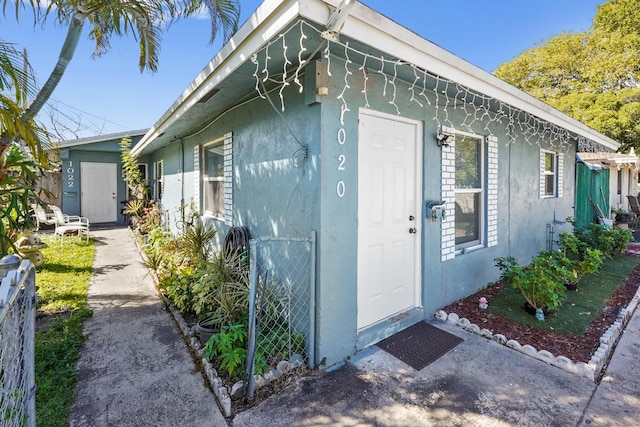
(342, 160)
(71, 178)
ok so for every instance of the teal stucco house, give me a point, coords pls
(91, 183)
(413, 167)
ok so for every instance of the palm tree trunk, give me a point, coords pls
(66, 54)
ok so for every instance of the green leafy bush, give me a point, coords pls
(179, 289)
(585, 260)
(230, 348)
(541, 283)
(609, 241)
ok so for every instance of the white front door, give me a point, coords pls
(98, 191)
(389, 180)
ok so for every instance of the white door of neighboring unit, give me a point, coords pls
(389, 179)
(99, 191)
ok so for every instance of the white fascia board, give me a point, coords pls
(271, 17)
(100, 138)
(370, 27)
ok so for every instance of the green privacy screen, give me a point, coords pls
(591, 187)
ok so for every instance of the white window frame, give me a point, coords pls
(481, 190)
(206, 179)
(544, 174)
(159, 178)
(144, 168)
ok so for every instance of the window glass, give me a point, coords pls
(468, 163)
(467, 217)
(469, 191)
(549, 174)
(159, 187)
(213, 179)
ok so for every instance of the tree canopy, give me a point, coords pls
(593, 76)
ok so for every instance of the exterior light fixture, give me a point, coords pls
(444, 139)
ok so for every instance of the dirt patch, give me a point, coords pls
(576, 348)
(44, 319)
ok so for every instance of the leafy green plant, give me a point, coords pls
(154, 259)
(222, 291)
(584, 260)
(541, 283)
(131, 171)
(178, 287)
(195, 240)
(230, 348)
(151, 217)
(134, 208)
(609, 241)
(18, 185)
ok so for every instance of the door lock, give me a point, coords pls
(411, 218)
(412, 230)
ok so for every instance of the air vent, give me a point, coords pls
(208, 96)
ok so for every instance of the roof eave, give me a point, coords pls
(363, 24)
(266, 22)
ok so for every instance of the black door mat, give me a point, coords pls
(419, 345)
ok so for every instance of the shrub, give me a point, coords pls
(584, 259)
(222, 290)
(609, 241)
(541, 283)
(178, 287)
(230, 348)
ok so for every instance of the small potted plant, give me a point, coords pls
(622, 217)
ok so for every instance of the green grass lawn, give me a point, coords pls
(580, 308)
(63, 284)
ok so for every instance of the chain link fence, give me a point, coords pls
(17, 344)
(282, 307)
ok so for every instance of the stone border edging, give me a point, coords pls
(591, 370)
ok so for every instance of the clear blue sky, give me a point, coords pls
(111, 95)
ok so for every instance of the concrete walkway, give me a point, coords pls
(135, 369)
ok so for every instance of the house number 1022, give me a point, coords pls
(71, 175)
(342, 160)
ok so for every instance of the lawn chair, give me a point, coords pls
(41, 216)
(635, 211)
(69, 224)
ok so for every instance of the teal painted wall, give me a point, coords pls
(522, 216)
(107, 151)
(273, 197)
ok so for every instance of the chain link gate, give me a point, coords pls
(17, 345)
(281, 307)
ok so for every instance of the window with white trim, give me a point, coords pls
(131, 192)
(469, 191)
(548, 174)
(159, 177)
(213, 179)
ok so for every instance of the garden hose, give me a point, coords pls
(237, 239)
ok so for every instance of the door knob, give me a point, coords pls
(412, 230)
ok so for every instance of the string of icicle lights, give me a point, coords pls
(425, 90)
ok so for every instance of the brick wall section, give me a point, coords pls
(541, 170)
(228, 179)
(448, 195)
(196, 176)
(492, 191)
(560, 175)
